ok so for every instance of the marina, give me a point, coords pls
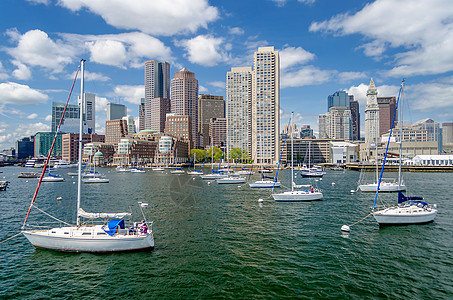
(220, 241)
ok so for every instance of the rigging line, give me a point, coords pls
(50, 150)
(361, 219)
(55, 218)
(11, 237)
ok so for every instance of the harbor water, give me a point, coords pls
(219, 241)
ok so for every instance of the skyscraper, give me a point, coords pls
(239, 108)
(115, 111)
(71, 120)
(266, 106)
(209, 106)
(184, 99)
(89, 124)
(387, 107)
(156, 113)
(371, 114)
(355, 114)
(141, 115)
(157, 85)
(339, 98)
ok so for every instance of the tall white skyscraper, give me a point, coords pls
(371, 114)
(265, 106)
(157, 85)
(89, 123)
(239, 109)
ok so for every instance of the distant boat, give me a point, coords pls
(111, 237)
(60, 164)
(137, 170)
(52, 178)
(410, 210)
(265, 181)
(310, 194)
(3, 185)
(230, 180)
(28, 175)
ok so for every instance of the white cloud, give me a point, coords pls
(218, 84)
(348, 76)
(167, 17)
(23, 130)
(3, 75)
(32, 116)
(204, 50)
(236, 30)
(107, 52)
(291, 56)
(18, 94)
(35, 48)
(48, 118)
(130, 93)
(202, 89)
(46, 2)
(422, 35)
(308, 75)
(22, 72)
(430, 97)
(89, 76)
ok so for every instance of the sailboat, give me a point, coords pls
(52, 177)
(310, 194)
(311, 171)
(176, 170)
(409, 210)
(195, 171)
(214, 174)
(265, 181)
(113, 237)
(96, 178)
(385, 186)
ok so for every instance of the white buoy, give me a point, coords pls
(333, 183)
(260, 200)
(239, 187)
(26, 180)
(193, 179)
(352, 191)
(320, 179)
(59, 198)
(73, 182)
(209, 183)
(345, 228)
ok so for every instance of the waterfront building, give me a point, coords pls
(70, 144)
(116, 111)
(134, 151)
(343, 153)
(130, 124)
(156, 112)
(171, 150)
(387, 107)
(218, 132)
(431, 160)
(355, 114)
(266, 106)
(90, 149)
(239, 108)
(340, 98)
(43, 143)
(180, 127)
(372, 132)
(432, 128)
(336, 124)
(115, 130)
(409, 149)
(447, 137)
(209, 106)
(25, 147)
(141, 115)
(71, 120)
(184, 100)
(318, 149)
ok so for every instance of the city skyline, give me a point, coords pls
(324, 47)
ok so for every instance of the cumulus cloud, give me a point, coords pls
(24, 129)
(48, 118)
(18, 94)
(236, 30)
(46, 2)
(291, 56)
(167, 17)
(204, 50)
(218, 84)
(3, 75)
(130, 93)
(36, 48)
(90, 76)
(307, 75)
(422, 46)
(32, 116)
(22, 72)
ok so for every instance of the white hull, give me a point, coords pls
(177, 172)
(88, 239)
(194, 173)
(297, 196)
(52, 179)
(158, 169)
(96, 180)
(231, 180)
(405, 215)
(243, 172)
(138, 171)
(264, 184)
(213, 176)
(384, 187)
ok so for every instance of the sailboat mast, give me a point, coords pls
(292, 154)
(401, 135)
(81, 104)
(376, 148)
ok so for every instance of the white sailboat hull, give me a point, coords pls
(231, 180)
(96, 180)
(264, 184)
(213, 176)
(177, 172)
(384, 187)
(297, 196)
(405, 215)
(52, 179)
(75, 241)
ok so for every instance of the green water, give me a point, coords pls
(217, 241)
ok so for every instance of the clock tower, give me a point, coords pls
(371, 115)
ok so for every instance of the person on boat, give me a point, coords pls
(312, 190)
(143, 227)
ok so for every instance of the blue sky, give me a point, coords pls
(325, 46)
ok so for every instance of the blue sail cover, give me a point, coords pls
(402, 198)
(113, 225)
